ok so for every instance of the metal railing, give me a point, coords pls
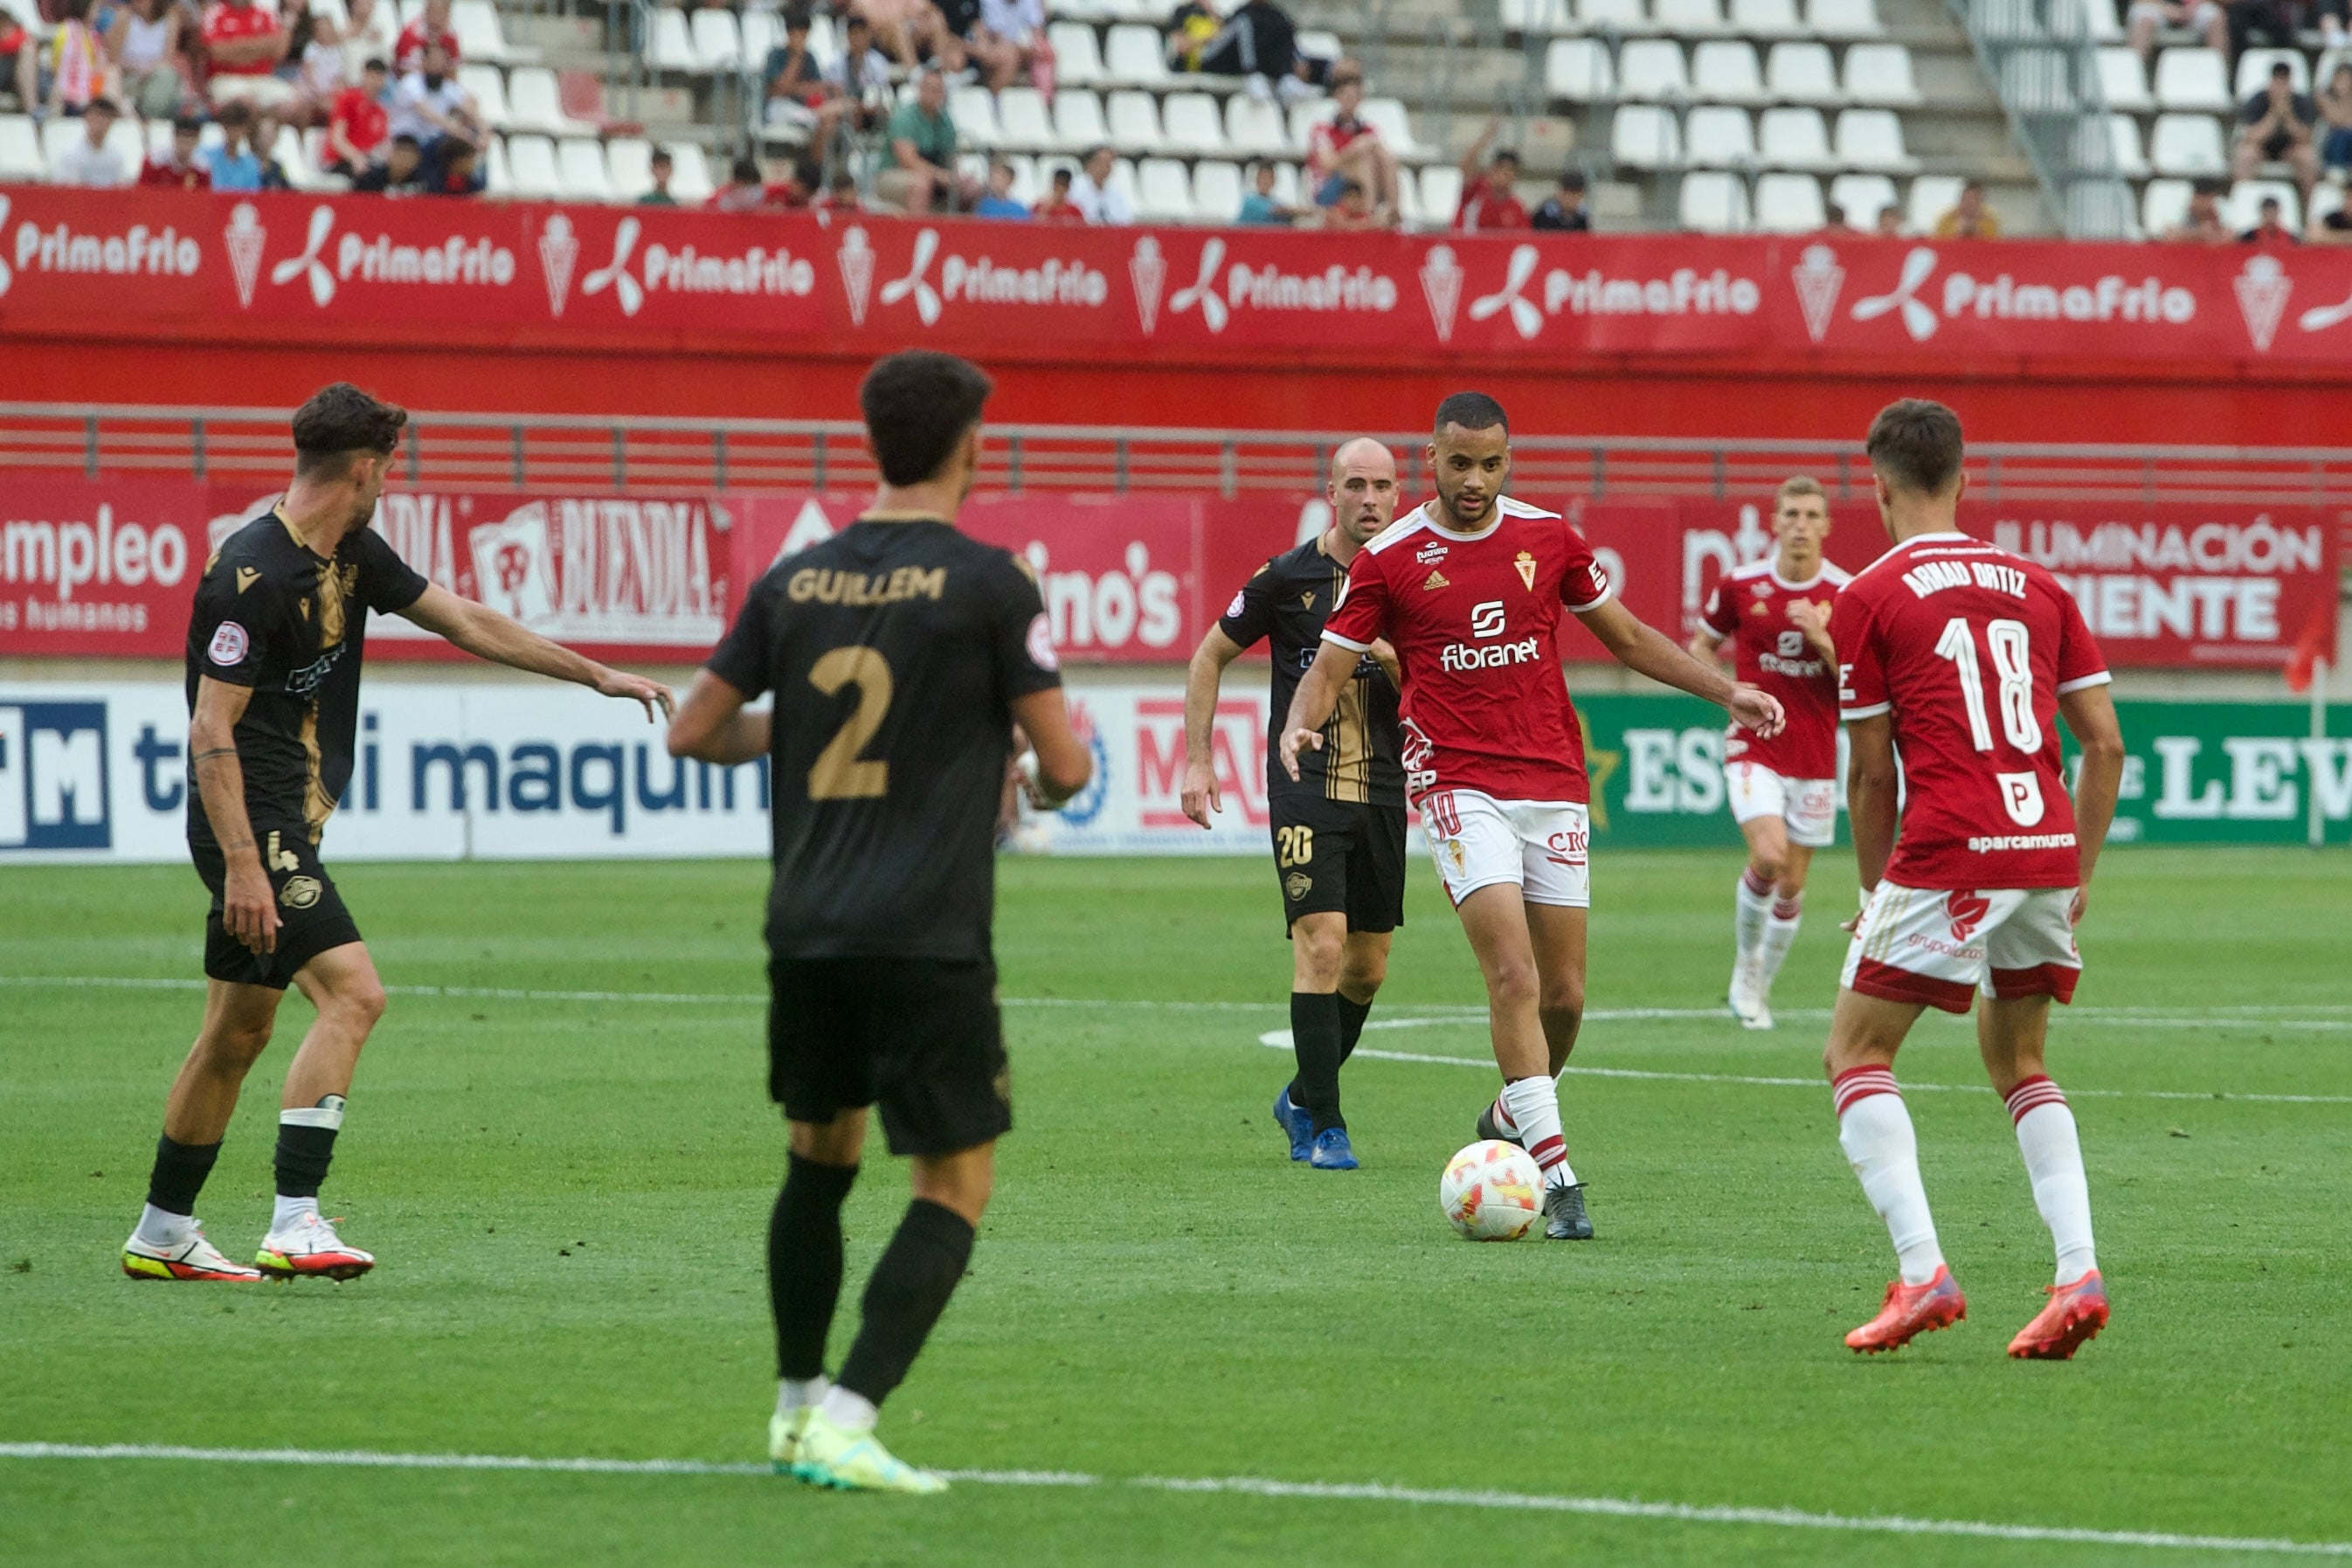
(2043, 64)
(490, 451)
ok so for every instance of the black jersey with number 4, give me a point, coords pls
(894, 649)
(273, 615)
(1287, 600)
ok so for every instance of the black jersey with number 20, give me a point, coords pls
(894, 649)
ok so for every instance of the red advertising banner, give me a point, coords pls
(355, 269)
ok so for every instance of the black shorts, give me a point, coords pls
(918, 1037)
(1340, 855)
(310, 914)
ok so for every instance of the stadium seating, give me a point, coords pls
(2189, 145)
(1844, 19)
(1163, 191)
(1441, 193)
(488, 87)
(1078, 120)
(2164, 204)
(1726, 70)
(534, 103)
(1644, 136)
(1872, 139)
(2242, 209)
(973, 110)
(2255, 71)
(1767, 19)
(1803, 73)
(1132, 58)
(1714, 203)
(1880, 75)
(1133, 118)
(1795, 139)
(1579, 70)
(532, 173)
(1789, 204)
(21, 155)
(1256, 129)
(1077, 54)
(1932, 196)
(1691, 18)
(629, 161)
(580, 169)
(1612, 15)
(1023, 123)
(718, 42)
(1650, 71)
(1216, 191)
(2122, 82)
(2192, 79)
(1862, 197)
(1717, 136)
(60, 133)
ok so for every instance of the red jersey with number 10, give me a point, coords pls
(1967, 648)
(1749, 608)
(1472, 618)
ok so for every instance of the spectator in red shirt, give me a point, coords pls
(431, 26)
(245, 44)
(1344, 148)
(1057, 206)
(357, 128)
(178, 168)
(1490, 197)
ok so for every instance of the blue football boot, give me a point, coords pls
(1332, 1152)
(1296, 1125)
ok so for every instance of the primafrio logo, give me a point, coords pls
(1685, 291)
(978, 279)
(137, 251)
(457, 261)
(1218, 291)
(2001, 298)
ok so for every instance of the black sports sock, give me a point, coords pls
(302, 1157)
(1351, 1025)
(909, 1289)
(179, 1173)
(1315, 1039)
(804, 1262)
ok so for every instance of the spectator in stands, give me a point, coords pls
(458, 173)
(659, 168)
(2335, 105)
(232, 164)
(1564, 209)
(1259, 207)
(2274, 22)
(431, 26)
(1490, 199)
(429, 104)
(87, 160)
(2205, 16)
(746, 189)
(402, 173)
(2333, 226)
(923, 142)
(368, 33)
(1969, 217)
(245, 44)
(1345, 147)
(144, 42)
(359, 125)
(315, 55)
(795, 79)
(841, 196)
(1187, 33)
(1055, 206)
(2202, 222)
(65, 74)
(859, 96)
(1352, 212)
(1008, 42)
(2278, 124)
(999, 201)
(2270, 230)
(17, 60)
(1890, 222)
(1094, 195)
(178, 167)
(1259, 43)
(266, 126)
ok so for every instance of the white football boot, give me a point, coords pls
(1747, 995)
(195, 1259)
(309, 1248)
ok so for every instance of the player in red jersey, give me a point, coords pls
(1774, 615)
(1469, 588)
(1963, 657)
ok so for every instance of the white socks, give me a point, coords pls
(792, 1393)
(1779, 931)
(1875, 1130)
(1533, 1105)
(159, 1228)
(2053, 1158)
(850, 1412)
(1751, 906)
(289, 1212)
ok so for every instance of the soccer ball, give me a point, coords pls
(1491, 1191)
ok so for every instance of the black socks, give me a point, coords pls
(302, 1157)
(1315, 1031)
(179, 1174)
(1352, 1024)
(804, 1262)
(911, 1286)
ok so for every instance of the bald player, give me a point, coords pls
(1338, 828)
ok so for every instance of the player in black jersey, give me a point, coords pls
(273, 661)
(1338, 829)
(901, 653)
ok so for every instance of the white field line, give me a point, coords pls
(1244, 1486)
(2249, 1016)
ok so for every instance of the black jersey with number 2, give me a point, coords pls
(1287, 600)
(894, 649)
(273, 615)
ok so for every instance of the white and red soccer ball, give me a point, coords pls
(1491, 1191)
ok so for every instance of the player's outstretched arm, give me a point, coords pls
(2090, 715)
(214, 768)
(487, 634)
(1057, 764)
(1870, 793)
(1647, 650)
(1311, 704)
(1202, 679)
(711, 725)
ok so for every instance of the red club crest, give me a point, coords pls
(1967, 910)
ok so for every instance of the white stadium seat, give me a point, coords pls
(2123, 147)
(1726, 70)
(973, 111)
(1844, 18)
(580, 165)
(1579, 70)
(1803, 73)
(1860, 197)
(1192, 126)
(1077, 56)
(1132, 58)
(1163, 192)
(630, 160)
(2255, 72)
(1789, 204)
(1872, 139)
(1319, 43)
(689, 176)
(1644, 136)
(1078, 118)
(671, 48)
(59, 133)
(535, 103)
(1767, 19)
(1881, 74)
(1617, 16)
(1387, 115)
(487, 85)
(481, 37)
(1714, 203)
(1650, 71)
(2188, 144)
(1717, 136)
(1410, 211)
(20, 150)
(1307, 115)
(1932, 196)
(1256, 128)
(2122, 82)
(1795, 139)
(1690, 18)
(2192, 79)
(1216, 191)
(1534, 16)
(496, 180)
(760, 34)
(1022, 121)
(2242, 209)
(717, 41)
(2163, 205)
(1133, 118)
(2325, 197)
(1441, 193)
(531, 169)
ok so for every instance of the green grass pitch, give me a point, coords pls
(570, 1200)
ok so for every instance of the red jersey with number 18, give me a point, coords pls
(1967, 648)
(1472, 618)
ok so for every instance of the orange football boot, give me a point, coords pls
(1910, 1310)
(2075, 1312)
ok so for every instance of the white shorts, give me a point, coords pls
(1929, 945)
(1542, 847)
(1809, 806)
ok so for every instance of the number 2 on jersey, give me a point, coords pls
(2009, 642)
(839, 773)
